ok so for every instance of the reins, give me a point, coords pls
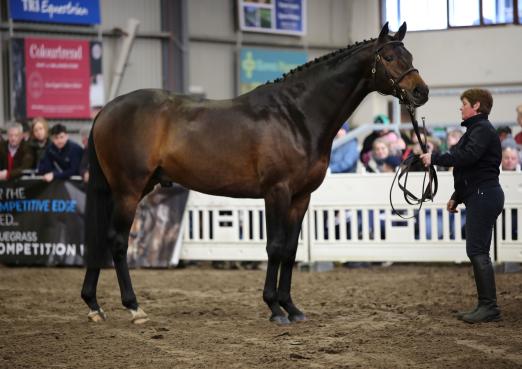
(429, 190)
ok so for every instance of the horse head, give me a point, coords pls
(393, 72)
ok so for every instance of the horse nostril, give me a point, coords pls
(420, 91)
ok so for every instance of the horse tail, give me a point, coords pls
(98, 211)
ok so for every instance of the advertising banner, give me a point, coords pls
(56, 11)
(273, 16)
(43, 224)
(57, 78)
(258, 66)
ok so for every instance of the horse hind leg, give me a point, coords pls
(90, 282)
(123, 215)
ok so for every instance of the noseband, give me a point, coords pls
(397, 91)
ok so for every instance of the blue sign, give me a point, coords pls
(258, 66)
(56, 11)
(273, 16)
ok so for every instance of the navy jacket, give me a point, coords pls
(63, 163)
(475, 158)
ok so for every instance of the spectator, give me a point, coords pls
(62, 158)
(344, 158)
(390, 137)
(381, 160)
(510, 159)
(15, 154)
(518, 137)
(504, 132)
(453, 138)
(39, 140)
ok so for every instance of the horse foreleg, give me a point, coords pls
(90, 283)
(296, 214)
(119, 236)
(277, 202)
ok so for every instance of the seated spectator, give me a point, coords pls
(504, 132)
(39, 140)
(453, 137)
(510, 160)
(518, 137)
(62, 158)
(15, 154)
(381, 160)
(394, 141)
(344, 158)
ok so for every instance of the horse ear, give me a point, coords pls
(384, 32)
(401, 32)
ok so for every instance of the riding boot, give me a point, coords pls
(487, 309)
(460, 314)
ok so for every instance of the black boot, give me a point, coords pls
(487, 309)
(460, 314)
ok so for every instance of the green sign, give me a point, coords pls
(258, 66)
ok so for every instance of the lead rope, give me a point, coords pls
(429, 190)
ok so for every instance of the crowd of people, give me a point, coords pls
(41, 150)
(383, 150)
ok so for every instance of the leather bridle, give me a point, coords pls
(398, 92)
(429, 189)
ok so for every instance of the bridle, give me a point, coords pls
(397, 90)
(429, 190)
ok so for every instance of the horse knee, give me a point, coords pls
(270, 296)
(275, 250)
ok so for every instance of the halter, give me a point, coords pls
(397, 91)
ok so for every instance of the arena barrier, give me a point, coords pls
(350, 219)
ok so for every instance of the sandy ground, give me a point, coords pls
(395, 317)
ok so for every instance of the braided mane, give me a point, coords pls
(330, 56)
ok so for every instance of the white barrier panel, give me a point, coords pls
(350, 218)
(509, 224)
(224, 228)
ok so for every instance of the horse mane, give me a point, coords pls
(342, 52)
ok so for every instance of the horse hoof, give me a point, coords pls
(139, 316)
(97, 315)
(279, 319)
(297, 318)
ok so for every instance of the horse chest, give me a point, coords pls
(313, 177)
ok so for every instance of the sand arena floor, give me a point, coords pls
(395, 317)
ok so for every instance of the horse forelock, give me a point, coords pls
(341, 53)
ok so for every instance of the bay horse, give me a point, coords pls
(272, 143)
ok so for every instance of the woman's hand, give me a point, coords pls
(451, 206)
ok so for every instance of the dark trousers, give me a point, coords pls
(482, 209)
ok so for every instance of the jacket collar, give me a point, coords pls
(468, 122)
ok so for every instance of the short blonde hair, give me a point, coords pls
(519, 109)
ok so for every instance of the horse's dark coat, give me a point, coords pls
(273, 143)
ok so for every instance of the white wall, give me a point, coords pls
(451, 61)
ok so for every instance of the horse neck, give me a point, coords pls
(330, 94)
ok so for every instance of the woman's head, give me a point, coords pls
(40, 129)
(475, 101)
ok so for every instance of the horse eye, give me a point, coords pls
(388, 58)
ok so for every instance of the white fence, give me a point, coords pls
(350, 219)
